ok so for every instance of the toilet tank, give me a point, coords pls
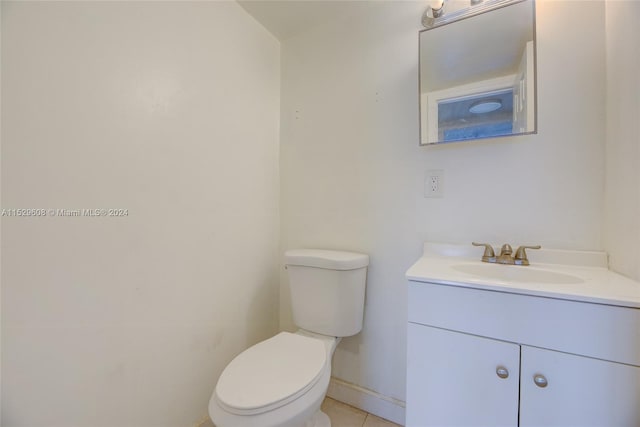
(327, 290)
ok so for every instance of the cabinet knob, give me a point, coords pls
(502, 372)
(540, 380)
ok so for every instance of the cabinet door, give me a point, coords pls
(579, 391)
(452, 379)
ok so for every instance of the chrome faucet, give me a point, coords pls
(505, 256)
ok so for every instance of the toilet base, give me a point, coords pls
(319, 419)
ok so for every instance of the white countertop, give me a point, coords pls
(599, 284)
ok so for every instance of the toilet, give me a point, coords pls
(282, 381)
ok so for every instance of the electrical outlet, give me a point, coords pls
(433, 183)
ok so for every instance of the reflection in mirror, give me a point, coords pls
(477, 74)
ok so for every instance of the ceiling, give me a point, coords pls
(285, 19)
(451, 49)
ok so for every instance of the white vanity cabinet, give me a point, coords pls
(453, 379)
(487, 358)
(581, 391)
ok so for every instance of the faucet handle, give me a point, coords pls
(489, 255)
(521, 255)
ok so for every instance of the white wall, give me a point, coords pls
(352, 171)
(622, 203)
(168, 109)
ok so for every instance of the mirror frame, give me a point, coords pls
(460, 15)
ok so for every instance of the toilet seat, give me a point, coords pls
(271, 374)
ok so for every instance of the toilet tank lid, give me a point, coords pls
(323, 258)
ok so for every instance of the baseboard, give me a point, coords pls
(375, 403)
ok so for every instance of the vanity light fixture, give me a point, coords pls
(438, 9)
(434, 10)
(434, 15)
(485, 106)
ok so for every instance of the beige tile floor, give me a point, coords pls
(343, 415)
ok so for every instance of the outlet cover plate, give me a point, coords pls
(434, 183)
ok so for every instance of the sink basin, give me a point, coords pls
(510, 273)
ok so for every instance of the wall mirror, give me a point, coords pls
(477, 71)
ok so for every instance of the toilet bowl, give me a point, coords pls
(282, 381)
